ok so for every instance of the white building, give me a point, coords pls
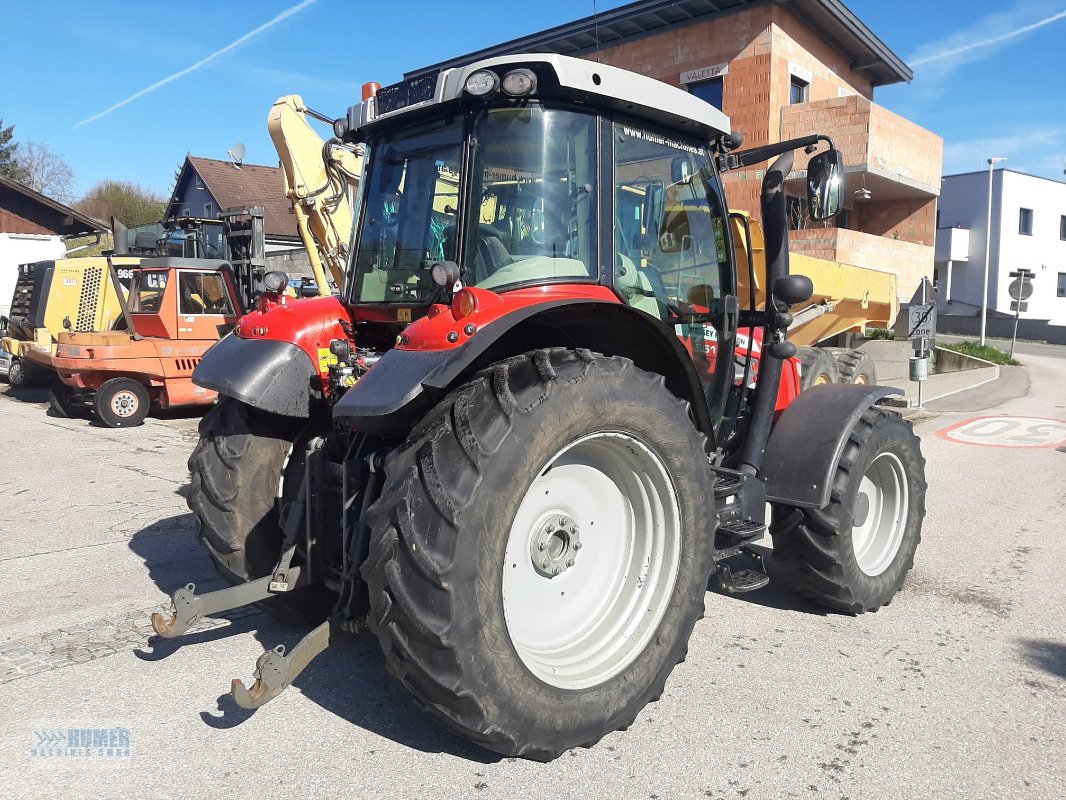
(33, 228)
(1028, 232)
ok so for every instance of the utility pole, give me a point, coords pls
(988, 248)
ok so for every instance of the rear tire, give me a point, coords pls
(236, 472)
(459, 593)
(854, 555)
(61, 402)
(817, 366)
(854, 366)
(121, 403)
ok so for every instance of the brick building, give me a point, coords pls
(780, 70)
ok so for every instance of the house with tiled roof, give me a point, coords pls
(206, 186)
(34, 227)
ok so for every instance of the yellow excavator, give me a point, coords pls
(319, 176)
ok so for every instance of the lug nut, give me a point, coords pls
(542, 546)
(570, 562)
(556, 570)
(564, 521)
(577, 545)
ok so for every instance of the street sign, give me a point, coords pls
(1019, 305)
(1021, 288)
(921, 321)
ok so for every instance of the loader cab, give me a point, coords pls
(183, 302)
(528, 185)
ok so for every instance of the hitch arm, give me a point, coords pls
(274, 670)
(190, 607)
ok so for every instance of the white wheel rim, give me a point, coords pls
(124, 403)
(880, 514)
(582, 608)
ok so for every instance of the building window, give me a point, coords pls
(1025, 221)
(1061, 289)
(708, 91)
(209, 211)
(799, 91)
(1062, 227)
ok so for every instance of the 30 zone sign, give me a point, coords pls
(1007, 432)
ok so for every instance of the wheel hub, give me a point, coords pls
(553, 545)
(124, 404)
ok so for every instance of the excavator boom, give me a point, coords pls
(318, 175)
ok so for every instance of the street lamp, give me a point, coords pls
(988, 248)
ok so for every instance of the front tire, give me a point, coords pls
(854, 555)
(533, 650)
(121, 403)
(16, 373)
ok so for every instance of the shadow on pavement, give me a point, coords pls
(348, 680)
(1045, 654)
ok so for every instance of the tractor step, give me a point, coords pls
(742, 580)
(742, 529)
(727, 484)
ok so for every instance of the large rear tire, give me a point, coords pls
(237, 478)
(854, 555)
(817, 366)
(540, 551)
(854, 366)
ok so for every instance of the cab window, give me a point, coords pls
(146, 292)
(670, 229)
(203, 293)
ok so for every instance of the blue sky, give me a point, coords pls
(66, 62)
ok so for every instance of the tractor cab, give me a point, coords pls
(183, 299)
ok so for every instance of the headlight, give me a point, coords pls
(519, 82)
(481, 83)
(340, 127)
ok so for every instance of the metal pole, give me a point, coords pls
(1017, 314)
(988, 248)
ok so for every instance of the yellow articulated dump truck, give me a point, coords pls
(68, 294)
(847, 299)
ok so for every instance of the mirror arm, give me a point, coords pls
(757, 155)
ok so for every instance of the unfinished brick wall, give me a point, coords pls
(912, 219)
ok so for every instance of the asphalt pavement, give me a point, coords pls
(955, 690)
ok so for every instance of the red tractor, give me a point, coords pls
(524, 438)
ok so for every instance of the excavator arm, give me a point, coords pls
(317, 177)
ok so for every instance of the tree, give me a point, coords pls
(44, 170)
(9, 166)
(130, 202)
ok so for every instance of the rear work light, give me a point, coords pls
(519, 83)
(481, 83)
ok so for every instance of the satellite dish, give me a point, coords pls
(237, 153)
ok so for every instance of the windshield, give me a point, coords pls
(530, 214)
(146, 292)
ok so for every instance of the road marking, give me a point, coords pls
(1020, 432)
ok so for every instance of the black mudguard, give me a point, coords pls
(808, 439)
(405, 382)
(268, 374)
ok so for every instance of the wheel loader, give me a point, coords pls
(527, 434)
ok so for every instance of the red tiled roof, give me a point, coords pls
(252, 184)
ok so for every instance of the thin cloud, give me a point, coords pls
(284, 15)
(986, 42)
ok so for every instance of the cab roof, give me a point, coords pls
(578, 79)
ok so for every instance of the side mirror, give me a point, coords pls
(793, 289)
(825, 184)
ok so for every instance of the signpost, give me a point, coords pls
(921, 327)
(1020, 289)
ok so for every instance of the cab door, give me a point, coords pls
(206, 306)
(673, 256)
